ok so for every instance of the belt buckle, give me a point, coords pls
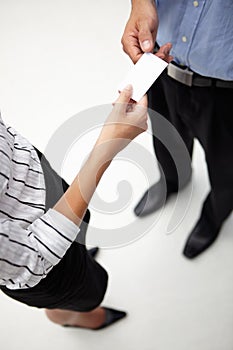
(184, 76)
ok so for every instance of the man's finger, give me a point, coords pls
(165, 49)
(132, 48)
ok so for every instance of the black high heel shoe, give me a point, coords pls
(93, 251)
(111, 316)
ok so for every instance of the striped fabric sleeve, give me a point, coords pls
(53, 233)
(27, 255)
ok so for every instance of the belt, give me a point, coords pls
(187, 77)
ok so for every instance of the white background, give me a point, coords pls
(58, 58)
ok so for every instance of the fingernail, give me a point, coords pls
(128, 87)
(146, 45)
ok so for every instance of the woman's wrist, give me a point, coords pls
(103, 152)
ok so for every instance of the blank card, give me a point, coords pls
(143, 74)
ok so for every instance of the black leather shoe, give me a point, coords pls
(153, 199)
(201, 237)
(93, 251)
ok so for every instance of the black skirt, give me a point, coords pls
(77, 282)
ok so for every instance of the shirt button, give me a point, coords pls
(195, 3)
(184, 39)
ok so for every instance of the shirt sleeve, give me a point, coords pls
(27, 255)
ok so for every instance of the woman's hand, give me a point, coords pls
(126, 121)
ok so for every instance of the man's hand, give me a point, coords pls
(141, 29)
(164, 52)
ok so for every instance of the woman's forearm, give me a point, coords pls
(119, 129)
(73, 204)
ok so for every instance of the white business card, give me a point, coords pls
(143, 74)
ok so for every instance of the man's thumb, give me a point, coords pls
(145, 38)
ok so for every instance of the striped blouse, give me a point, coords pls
(32, 240)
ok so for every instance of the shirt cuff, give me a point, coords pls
(54, 233)
(62, 220)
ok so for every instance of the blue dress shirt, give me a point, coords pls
(201, 32)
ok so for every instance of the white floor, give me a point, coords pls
(59, 58)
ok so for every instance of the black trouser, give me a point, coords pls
(205, 113)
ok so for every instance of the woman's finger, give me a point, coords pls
(125, 95)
